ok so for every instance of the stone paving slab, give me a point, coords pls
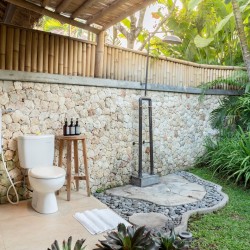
(151, 220)
(173, 190)
(177, 197)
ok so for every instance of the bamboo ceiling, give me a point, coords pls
(17, 16)
(92, 15)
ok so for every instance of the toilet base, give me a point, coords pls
(44, 203)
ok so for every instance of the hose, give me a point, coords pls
(12, 184)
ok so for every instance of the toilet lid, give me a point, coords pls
(52, 172)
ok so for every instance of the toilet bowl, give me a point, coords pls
(36, 154)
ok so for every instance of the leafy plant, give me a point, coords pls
(67, 245)
(238, 80)
(229, 155)
(130, 238)
(170, 242)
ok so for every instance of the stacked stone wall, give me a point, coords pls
(109, 119)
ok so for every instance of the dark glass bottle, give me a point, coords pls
(65, 128)
(77, 127)
(72, 130)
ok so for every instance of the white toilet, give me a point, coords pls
(36, 153)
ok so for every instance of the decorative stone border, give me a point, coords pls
(185, 217)
(179, 220)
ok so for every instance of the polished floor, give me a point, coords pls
(21, 228)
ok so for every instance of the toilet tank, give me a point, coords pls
(36, 150)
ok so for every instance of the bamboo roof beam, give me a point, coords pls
(124, 15)
(44, 3)
(108, 9)
(114, 6)
(43, 11)
(85, 5)
(9, 13)
(62, 6)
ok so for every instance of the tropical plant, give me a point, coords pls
(238, 6)
(229, 153)
(233, 112)
(67, 245)
(196, 25)
(238, 80)
(130, 238)
(168, 242)
(229, 156)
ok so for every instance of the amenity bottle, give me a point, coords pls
(72, 130)
(77, 127)
(65, 128)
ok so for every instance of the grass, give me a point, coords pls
(228, 228)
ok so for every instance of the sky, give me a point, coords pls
(149, 22)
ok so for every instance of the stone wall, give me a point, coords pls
(109, 119)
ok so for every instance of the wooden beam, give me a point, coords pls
(45, 12)
(9, 13)
(99, 55)
(105, 11)
(127, 13)
(62, 6)
(44, 3)
(85, 5)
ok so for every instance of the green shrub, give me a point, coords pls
(130, 238)
(168, 242)
(133, 238)
(232, 112)
(229, 155)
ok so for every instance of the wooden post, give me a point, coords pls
(22, 50)
(34, 52)
(9, 48)
(51, 54)
(40, 52)
(28, 51)
(75, 51)
(56, 58)
(46, 53)
(3, 46)
(79, 59)
(70, 64)
(92, 65)
(66, 56)
(99, 55)
(16, 49)
(84, 60)
(88, 60)
(61, 55)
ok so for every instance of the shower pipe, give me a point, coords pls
(6, 111)
(149, 100)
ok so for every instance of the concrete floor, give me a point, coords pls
(21, 228)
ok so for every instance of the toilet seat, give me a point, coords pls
(52, 172)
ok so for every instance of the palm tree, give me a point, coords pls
(241, 34)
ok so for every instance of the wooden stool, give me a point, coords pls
(70, 140)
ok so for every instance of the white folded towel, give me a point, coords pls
(99, 220)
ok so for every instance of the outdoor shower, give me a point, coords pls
(144, 179)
